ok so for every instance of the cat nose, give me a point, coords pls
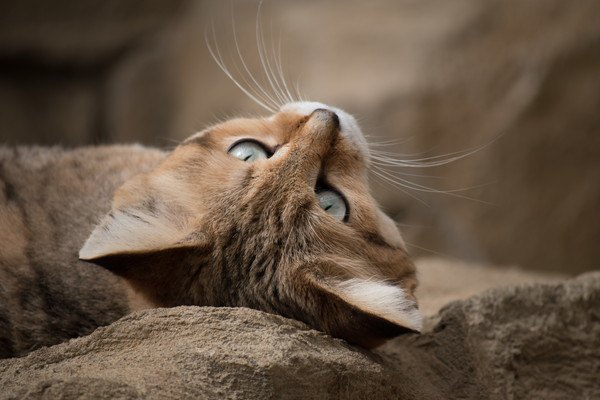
(327, 116)
(318, 133)
(320, 130)
(311, 145)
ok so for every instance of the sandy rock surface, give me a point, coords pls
(533, 341)
(444, 280)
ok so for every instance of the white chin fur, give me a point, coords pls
(384, 300)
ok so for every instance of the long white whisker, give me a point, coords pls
(386, 143)
(433, 161)
(392, 154)
(408, 184)
(416, 163)
(386, 180)
(429, 250)
(383, 166)
(400, 182)
(299, 95)
(216, 55)
(263, 57)
(273, 68)
(279, 67)
(266, 95)
(256, 91)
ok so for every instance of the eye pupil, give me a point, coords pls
(248, 157)
(332, 203)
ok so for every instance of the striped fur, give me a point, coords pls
(198, 226)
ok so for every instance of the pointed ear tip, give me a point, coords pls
(86, 253)
(92, 249)
(415, 321)
(84, 258)
(83, 254)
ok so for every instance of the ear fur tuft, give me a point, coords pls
(127, 231)
(382, 299)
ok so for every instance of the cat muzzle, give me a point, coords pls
(313, 144)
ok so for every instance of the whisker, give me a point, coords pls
(386, 180)
(275, 72)
(217, 57)
(433, 161)
(411, 225)
(381, 166)
(279, 66)
(264, 59)
(404, 183)
(430, 251)
(255, 89)
(266, 94)
(412, 185)
(385, 143)
(299, 94)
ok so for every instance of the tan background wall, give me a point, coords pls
(435, 76)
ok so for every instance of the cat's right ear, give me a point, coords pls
(143, 224)
(130, 232)
(146, 240)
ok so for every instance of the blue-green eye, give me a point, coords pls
(332, 203)
(248, 151)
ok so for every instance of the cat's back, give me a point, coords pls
(50, 200)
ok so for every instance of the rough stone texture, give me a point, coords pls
(444, 280)
(536, 341)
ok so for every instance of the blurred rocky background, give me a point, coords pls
(517, 81)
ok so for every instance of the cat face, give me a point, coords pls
(269, 213)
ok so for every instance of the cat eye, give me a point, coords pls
(249, 151)
(332, 203)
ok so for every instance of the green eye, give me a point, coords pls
(333, 203)
(248, 151)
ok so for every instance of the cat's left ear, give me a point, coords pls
(366, 312)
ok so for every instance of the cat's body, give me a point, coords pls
(290, 229)
(50, 201)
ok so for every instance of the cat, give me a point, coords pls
(272, 213)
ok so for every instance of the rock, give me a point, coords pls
(536, 341)
(444, 280)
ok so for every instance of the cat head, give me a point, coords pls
(269, 213)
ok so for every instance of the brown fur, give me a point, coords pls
(221, 232)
